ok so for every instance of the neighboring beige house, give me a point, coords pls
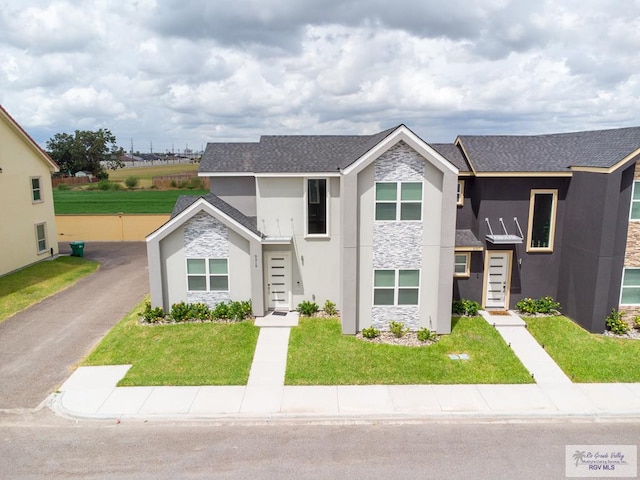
(26, 213)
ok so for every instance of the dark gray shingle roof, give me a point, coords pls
(289, 153)
(452, 153)
(185, 201)
(466, 238)
(550, 153)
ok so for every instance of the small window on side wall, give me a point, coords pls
(460, 193)
(542, 220)
(630, 291)
(36, 192)
(41, 237)
(461, 264)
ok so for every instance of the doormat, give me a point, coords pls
(279, 314)
(498, 312)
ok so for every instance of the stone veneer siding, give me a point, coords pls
(398, 245)
(206, 237)
(632, 253)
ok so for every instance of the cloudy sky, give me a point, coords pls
(172, 73)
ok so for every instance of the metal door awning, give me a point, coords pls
(506, 238)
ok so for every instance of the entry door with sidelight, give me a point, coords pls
(497, 269)
(279, 281)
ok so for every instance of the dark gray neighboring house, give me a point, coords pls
(551, 213)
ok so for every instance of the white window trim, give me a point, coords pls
(554, 210)
(460, 193)
(467, 265)
(398, 201)
(396, 288)
(207, 274)
(46, 243)
(636, 183)
(622, 287)
(306, 211)
(33, 190)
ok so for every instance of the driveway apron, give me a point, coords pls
(40, 346)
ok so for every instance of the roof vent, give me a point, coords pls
(506, 238)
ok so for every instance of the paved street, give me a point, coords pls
(43, 446)
(40, 345)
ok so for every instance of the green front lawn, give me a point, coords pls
(587, 357)
(118, 201)
(37, 282)
(180, 354)
(320, 355)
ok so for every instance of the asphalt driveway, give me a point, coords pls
(40, 346)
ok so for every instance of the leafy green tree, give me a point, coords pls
(86, 150)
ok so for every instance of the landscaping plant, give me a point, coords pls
(370, 332)
(397, 328)
(307, 308)
(465, 307)
(330, 308)
(615, 323)
(426, 335)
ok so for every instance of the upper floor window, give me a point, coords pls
(542, 220)
(41, 237)
(210, 274)
(460, 193)
(398, 201)
(635, 202)
(36, 193)
(317, 211)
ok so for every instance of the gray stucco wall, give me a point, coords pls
(239, 192)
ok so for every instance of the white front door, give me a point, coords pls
(497, 279)
(279, 281)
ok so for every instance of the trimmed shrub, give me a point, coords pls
(131, 182)
(330, 308)
(465, 307)
(152, 315)
(545, 305)
(397, 328)
(180, 312)
(615, 323)
(425, 335)
(221, 311)
(199, 311)
(238, 311)
(307, 308)
(370, 332)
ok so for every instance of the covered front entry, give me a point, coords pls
(279, 280)
(497, 279)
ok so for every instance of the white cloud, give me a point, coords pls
(178, 72)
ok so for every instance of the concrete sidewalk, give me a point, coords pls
(91, 392)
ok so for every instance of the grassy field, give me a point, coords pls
(180, 354)
(37, 282)
(145, 174)
(125, 201)
(320, 355)
(587, 357)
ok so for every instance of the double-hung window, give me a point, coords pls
(398, 201)
(634, 214)
(41, 237)
(207, 274)
(36, 193)
(542, 220)
(630, 294)
(396, 287)
(317, 206)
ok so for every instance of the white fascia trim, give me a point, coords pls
(226, 174)
(298, 174)
(188, 213)
(411, 139)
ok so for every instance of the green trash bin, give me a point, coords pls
(77, 249)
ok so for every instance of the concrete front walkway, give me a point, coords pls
(91, 392)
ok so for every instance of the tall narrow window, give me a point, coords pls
(542, 220)
(36, 194)
(398, 201)
(635, 202)
(460, 193)
(41, 237)
(317, 206)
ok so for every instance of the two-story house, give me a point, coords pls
(365, 221)
(392, 228)
(27, 214)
